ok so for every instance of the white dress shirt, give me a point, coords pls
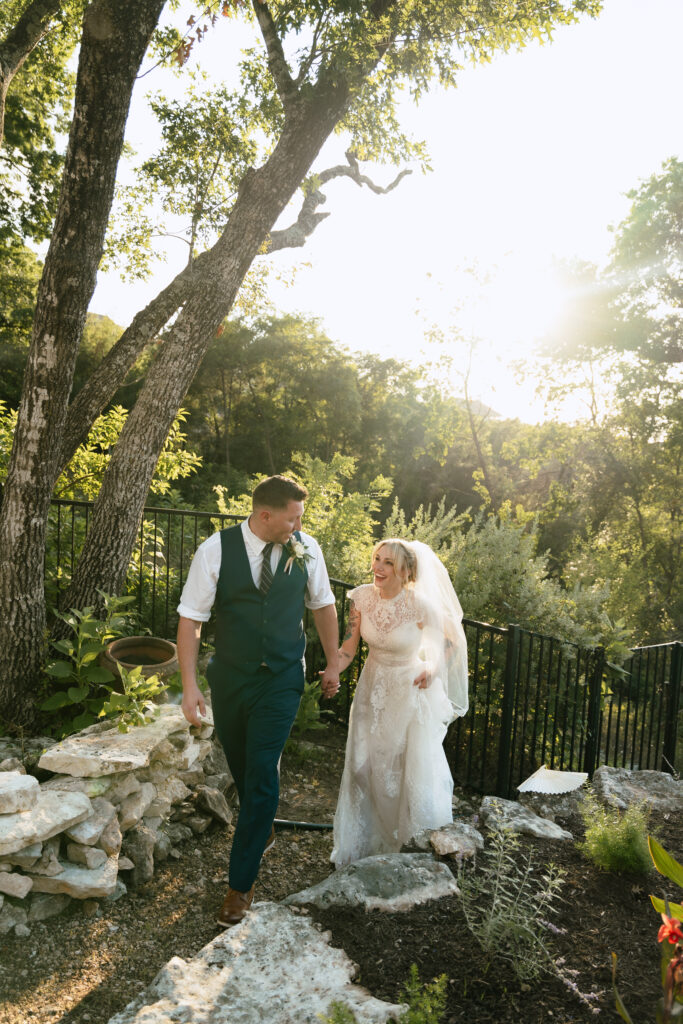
(199, 592)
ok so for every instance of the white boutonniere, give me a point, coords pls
(298, 554)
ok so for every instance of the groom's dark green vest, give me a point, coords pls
(252, 630)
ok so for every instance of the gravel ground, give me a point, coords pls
(88, 963)
(85, 965)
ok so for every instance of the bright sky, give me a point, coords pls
(532, 156)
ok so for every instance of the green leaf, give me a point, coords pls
(665, 863)
(77, 693)
(675, 909)
(60, 669)
(57, 700)
(64, 646)
(117, 701)
(89, 627)
(83, 720)
(97, 674)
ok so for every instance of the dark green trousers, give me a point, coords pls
(253, 715)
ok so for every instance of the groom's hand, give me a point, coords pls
(329, 682)
(193, 704)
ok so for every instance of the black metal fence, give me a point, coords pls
(534, 699)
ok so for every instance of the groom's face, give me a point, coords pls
(282, 522)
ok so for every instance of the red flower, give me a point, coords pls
(671, 930)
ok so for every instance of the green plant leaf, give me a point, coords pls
(90, 627)
(77, 693)
(63, 646)
(56, 700)
(665, 863)
(676, 909)
(98, 674)
(83, 720)
(60, 669)
(116, 702)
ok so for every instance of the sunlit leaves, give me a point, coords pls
(208, 141)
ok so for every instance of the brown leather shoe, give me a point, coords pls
(235, 906)
(270, 841)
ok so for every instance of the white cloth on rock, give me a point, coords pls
(396, 779)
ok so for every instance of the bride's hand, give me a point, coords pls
(423, 680)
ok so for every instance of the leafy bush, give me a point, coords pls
(616, 841)
(341, 521)
(500, 577)
(506, 908)
(85, 690)
(135, 706)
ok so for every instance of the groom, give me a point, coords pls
(259, 574)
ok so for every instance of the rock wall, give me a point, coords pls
(113, 806)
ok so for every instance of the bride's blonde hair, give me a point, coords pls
(405, 560)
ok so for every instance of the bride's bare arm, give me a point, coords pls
(349, 645)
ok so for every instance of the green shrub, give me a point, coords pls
(506, 908)
(616, 841)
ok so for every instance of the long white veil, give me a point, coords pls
(444, 637)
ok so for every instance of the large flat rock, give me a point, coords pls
(388, 881)
(518, 818)
(95, 752)
(80, 882)
(53, 813)
(273, 968)
(620, 787)
(18, 792)
(89, 831)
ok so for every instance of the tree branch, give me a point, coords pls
(110, 374)
(284, 83)
(308, 62)
(18, 44)
(297, 233)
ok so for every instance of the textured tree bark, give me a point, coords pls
(115, 37)
(263, 196)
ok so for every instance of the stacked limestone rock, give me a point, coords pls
(117, 803)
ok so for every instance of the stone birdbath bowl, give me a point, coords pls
(154, 655)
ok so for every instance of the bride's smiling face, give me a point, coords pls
(385, 577)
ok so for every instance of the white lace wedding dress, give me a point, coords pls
(396, 779)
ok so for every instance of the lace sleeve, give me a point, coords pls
(359, 596)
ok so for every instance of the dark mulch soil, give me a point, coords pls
(84, 966)
(600, 914)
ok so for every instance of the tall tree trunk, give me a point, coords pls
(263, 196)
(115, 37)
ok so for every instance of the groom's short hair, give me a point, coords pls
(277, 492)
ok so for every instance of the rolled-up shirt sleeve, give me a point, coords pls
(318, 590)
(199, 592)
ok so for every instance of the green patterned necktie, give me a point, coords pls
(266, 571)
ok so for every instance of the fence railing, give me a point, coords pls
(534, 699)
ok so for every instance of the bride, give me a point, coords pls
(396, 779)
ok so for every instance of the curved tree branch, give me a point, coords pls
(297, 233)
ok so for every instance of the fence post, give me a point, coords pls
(672, 708)
(509, 686)
(591, 753)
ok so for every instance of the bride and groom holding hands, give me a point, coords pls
(259, 576)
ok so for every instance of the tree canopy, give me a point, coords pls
(317, 69)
